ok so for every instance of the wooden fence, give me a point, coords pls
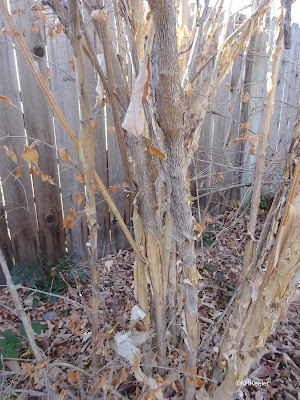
(32, 211)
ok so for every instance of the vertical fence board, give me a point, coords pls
(97, 113)
(38, 119)
(18, 194)
(5, 244)
(63, 87)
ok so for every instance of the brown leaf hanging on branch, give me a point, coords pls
(58, 28)
(64, 155)
(133, 121)
(78, 198)
(155, 152)
(18, 173)
(11, 154)
(253, 142)
(245, 98)
(30, 155)
(69, 221)
(99, 16)
(44, 178)
(7, 100)
(79, 177)
(9, 32)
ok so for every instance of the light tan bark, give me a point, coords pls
(87, 160)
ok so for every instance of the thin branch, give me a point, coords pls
(114, 102)
(222, 189)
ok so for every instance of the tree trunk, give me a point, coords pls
(87, 160)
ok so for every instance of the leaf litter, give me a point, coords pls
(66, 335)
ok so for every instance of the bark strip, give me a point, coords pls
(87, 160)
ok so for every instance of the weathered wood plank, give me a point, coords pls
(97, 114)
(116, 172)
(38, 120)
(5, 243)
(18, 194)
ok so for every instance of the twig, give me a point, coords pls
(114, 101)
(180, 372)
(224, 188)
(29, 392)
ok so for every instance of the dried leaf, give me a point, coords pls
(72, 62)
(78, 198)
(136, 363)
(99, 16)
(47, 73)
(30, 155)
(219, 175)
(124, 375)
(253, 141)
(115, 187)
(18, 173)
(155, 152)
(69, 221)
(7, 100)
(58, 28)
(9, 32)
(245, 125)
(62, 394)
(111, 129)
(41, 364)
(133, 121)
(174, 386)
(11, 155)
(200, 382)
(25, 354)
(245, 98)
(73, 377)
(200, 227)
(35, 27)
(207, 219)
(79, 177)
(64, 155)
(235, 142)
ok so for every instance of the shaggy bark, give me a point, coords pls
(87, 160)
(172, 122)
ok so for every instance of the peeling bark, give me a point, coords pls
(87, 160)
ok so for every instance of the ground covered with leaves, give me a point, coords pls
(63, 329)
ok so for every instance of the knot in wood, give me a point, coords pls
(39, 51)
(50, 218)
